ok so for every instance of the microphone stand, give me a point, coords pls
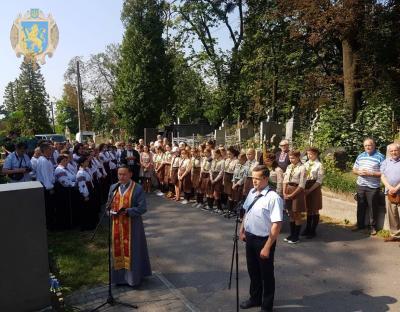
(235, 254)
(110, 299)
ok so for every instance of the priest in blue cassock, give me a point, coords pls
(130, 258)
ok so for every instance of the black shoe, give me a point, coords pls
(249, 304)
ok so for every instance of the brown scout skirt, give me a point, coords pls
(167, 169)
(205, 184)
(247, 186)
(237, 194)
(228, 183)
(174, 176)
(217, 187)
(313, 199)
(298, 204)
(186, 183)
(196, 178)
(160, 174)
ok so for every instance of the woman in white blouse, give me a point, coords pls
(294, 184)
(315, 176)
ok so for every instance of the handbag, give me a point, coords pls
(394, 199)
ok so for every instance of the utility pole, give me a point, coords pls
(52, 116)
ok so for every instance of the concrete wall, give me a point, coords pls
(24, 282)
(341, 207)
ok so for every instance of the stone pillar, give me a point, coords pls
(24, 266)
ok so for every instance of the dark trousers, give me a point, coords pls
(49, 201)
(261, 271)
(367, 198)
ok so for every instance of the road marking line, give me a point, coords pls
(176, 292)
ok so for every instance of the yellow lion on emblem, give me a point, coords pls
(34, 38)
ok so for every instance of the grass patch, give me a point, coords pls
(383, 233)
(80, 263)
(343, 182)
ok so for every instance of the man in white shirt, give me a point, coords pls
(45, 175)
(261, 225)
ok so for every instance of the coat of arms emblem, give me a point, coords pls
(34, 35)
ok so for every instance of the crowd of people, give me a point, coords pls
(76, 178)
(211, 177)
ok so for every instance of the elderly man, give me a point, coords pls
(367, 167)
(282, 157)
(390, 175)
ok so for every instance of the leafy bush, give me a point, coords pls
(334, 128)
(337, 180)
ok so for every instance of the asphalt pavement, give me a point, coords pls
(337, 271)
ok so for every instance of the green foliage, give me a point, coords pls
(336, 180)
(332, 125)
(26, 102)
(374, 120)
(191, 94)
(334, 128)
(142, 90)
(67, 116)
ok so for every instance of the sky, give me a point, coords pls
(86, 27)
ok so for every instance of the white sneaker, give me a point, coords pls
(159, 193)
(184, 202)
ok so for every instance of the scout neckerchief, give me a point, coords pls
(122, 229)
(309, 168)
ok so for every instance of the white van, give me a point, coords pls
(86, 136)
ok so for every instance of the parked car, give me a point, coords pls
(51, 137)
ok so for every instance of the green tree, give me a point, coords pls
(32, 99)
(143, 87)
(66, 115)
(9, 98)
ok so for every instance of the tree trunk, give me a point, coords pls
(352, 94)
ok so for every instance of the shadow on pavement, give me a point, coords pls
(335, 301)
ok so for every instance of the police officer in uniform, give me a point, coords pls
(260, 229)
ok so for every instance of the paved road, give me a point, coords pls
(338, 271)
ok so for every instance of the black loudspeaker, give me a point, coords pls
(24, 267)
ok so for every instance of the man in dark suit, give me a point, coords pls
(282, 157)
(131, 158)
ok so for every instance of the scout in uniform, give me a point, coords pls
(184, 176)
(195, 175)
(167, 169)
(216, 175)
(275, 173)
(229, 168)
(313, 193)
(159, 168)
(175, 164)
(294, 183)
(205, 185)
(240, 173)
(251, 164)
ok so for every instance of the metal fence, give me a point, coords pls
(194, 140)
